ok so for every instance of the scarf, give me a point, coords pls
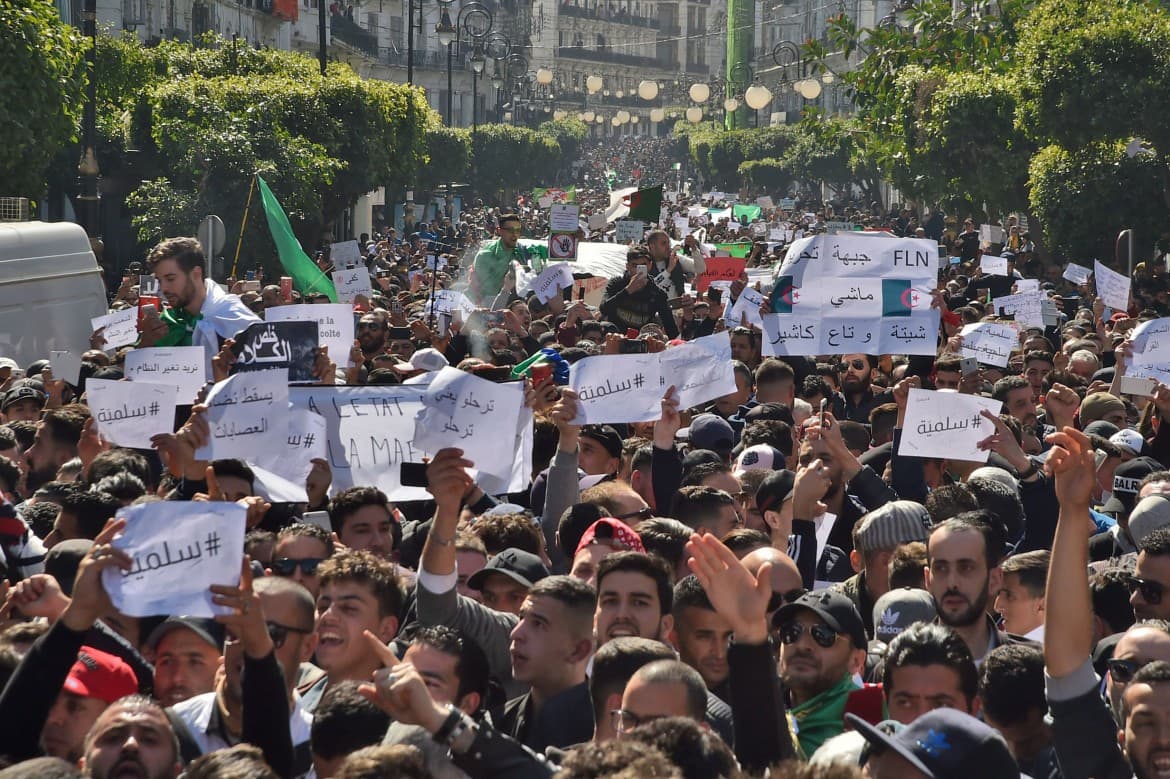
(822, 717)
(180, 327)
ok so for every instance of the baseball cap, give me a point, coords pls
(19, 394)
(770, 410)
(709, 431)
(207, 629)
(1129, 440)
(1149, 514)
(521, 567)
(946, 744)
(776, 488)
(760, 457)
(897, 522)
(1101, 428)
(8, 362)
(613, 532)
(428, 360)
(1097, 405)
(605, 435)
(100, 675)
(1126, 480)
(899, 609)
(834, 608)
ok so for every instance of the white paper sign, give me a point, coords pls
(148, 284)
(67, 366)
(436, 262)
(286, 469)
(562, 218)
(473, 414)
(334, 324)
(448, 301)
(182, 367)
(248, 415)
(121, 327)
(1027, 285)
(351, 283)
(179, 549)
(345, 254)
(989, 342)
(993, 266)
(551, 280)
(1025, 307)
(1151, 351)
(627, 230)
(947, 425)
(370, 433)
(746, 308)
(130, 413)
(1112, 287)
(989, 234)
(618, 388)
(1077, 274)
(700, 370)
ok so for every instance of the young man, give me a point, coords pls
(494, 259)
(701, 635)
(300, 550)
(363, 519)
(359, 592)
(1020, 600)
(632, 300)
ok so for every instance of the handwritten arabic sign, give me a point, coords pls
(720, 269)
(551, 280)
(1077, 274)
(993, 266)
(629, 230)
(746, 309)
(179, 549)
(473, 414)
(947, 425)
(370, 432)
(1151, 351)
(618, 388)
(247, 414)
(281, 472)
(449, 301)
(121, 327)
(288, 345)
(182, 367)
(351, 283)
(345, 254)
(989, 342)
(700, 370)
(130, 413)
(334, 324)
(1112, 287)
(1024, 306)
(67, 366)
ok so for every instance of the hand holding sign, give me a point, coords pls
(245, 620)
(90, 600)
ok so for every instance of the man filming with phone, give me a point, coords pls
(633, 301)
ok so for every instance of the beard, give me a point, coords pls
(968, 616)
(39, 477)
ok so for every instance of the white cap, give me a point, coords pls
(1128, 439)
(429, 360)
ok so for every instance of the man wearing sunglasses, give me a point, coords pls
(300, 549)
(1150, 584)
(495, 258)
(858, 396)
(372, 331)
(823, 645)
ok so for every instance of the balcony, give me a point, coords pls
(600, 13)
(698, 67)
(610, 56)
(348, 31)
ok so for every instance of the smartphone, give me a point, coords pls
(251, 285)
(320, 519)
(581, 293)
(968, 366)
(395, 307)
(147, 302)
(633, 346)
(413, 474)
(642, 270)
(824, 412)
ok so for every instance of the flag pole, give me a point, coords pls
(243, 224)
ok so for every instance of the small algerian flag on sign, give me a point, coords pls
(784, 295)
(898, 297)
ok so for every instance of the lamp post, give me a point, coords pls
(476, 20)
(87, 168)
(410, 37)
(497, 47)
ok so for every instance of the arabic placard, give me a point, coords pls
(288, 345)
(121, 327)
(1077, 274)
(182, 367)
(334, 324)
(629, 230)
(746, 309)
(281, 473)
(1112, 287)
(700, 370)
(1027, 285)
(989, 342)
(370, 433)
(720, 269)
(179, 549)
(551, 281)
(351, 283)
(449, 301)
(618, 388)
(1025, 307)
(247, 414)
(345, 254)
(947, 425)
(66, 366)
(473, 414)
(993, 266)
(1151, 351)
(130, 413)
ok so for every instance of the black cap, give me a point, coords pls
(21, 393)
(605, 435)
(946, 744)
(399, 334)
(770, 410)
(521, 567)
(775, 489)
(207, 629)
(1126, 480)
(834, 608)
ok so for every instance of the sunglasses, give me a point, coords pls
(823, 635)
(286, 566)
(279, 633)
(370, 326)
(1150, 590)
(857, 365)
(643, 513)
(1123, 670)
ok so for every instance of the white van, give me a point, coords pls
(50, 287)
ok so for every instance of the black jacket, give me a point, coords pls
(637, 309)
(565, 719)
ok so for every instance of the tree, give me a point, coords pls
(569, 134)
(448, 151)
(768, 174)
(507, 158)
(41, 80)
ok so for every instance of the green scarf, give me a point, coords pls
(822, 717)
(180, 326)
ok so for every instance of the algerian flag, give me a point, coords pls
(307, 278)
(646, 204)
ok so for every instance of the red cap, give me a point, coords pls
(98, 674)
(613, 532)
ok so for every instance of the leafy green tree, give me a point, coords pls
(569, 133)
(507, 158)
(41, 80)
(448, 151)
(768, 174)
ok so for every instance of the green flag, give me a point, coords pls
(307, 278)
(735, 249)
(739, 211)
(646, 204)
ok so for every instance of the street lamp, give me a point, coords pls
(87, 167)
(445, 30)
(544, 77)
(476, 20)
(694, 114)
(699, 93)
(594, 83)
(648, 90)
